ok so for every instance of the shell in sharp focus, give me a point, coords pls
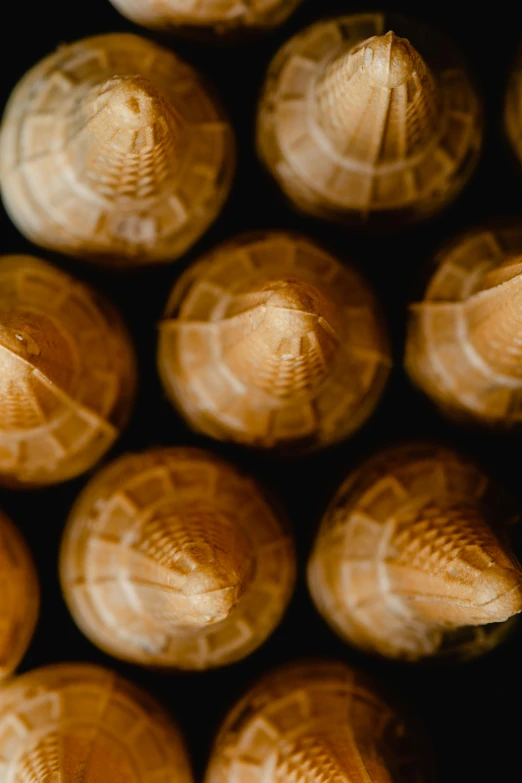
(77, 722)
(410, 559)
(314, 722)
(513, 107)
(67, 374)
(172, 558)
(356, 126)
(222, 16)
(112, 150)
(464, 343)
(19, 597)
(270, 342)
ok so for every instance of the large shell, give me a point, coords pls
(314, 722)
(74, 723)
(354, 125)
(464, 343)
(410, 560)
(67, 374)
(270, 342)
(112, 150)
(19, 597)
(222, 16)
(513, 108)
(171, 558)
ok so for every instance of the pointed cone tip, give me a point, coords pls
(390, 60)
(500, 593)
(133, 100)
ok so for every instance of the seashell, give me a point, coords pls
(77, 722)
(112, 150)
(19, 597)
(172, 558)
(270, 342)
(464, 343)
(314, 722)
(513, 107)
(67, 374)
(355, 125)
(410, 560)
(220, 16)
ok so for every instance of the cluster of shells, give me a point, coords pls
(116, 151)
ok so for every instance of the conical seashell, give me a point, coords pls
(111, 150)
(67, 374)
(221, 16)
(355, 125)
(270, 342)
(76, 723)
(314, 722)
(513, 108)
(410, 559)
(19, 597)
(464, 344)
(172, 558)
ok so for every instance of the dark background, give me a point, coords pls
(472, 711)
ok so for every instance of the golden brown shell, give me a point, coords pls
(67, 374)
(221, 16)
(76, 723)
(19, 597)
(112, 150)
(270, 342)
(464, 343)
(410, 561)
(172, 558)
(314, 722)
(356, 126)
(513, 107)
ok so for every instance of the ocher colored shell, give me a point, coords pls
(464, 344)
(19, 597)
(513, 110)
(74, 723)
(172, 558)
(409, 561)
(355, 125)
(67, 374)
(270, 342)
(112, 150)
(316, 722)
(222, 16)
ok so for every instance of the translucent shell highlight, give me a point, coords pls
(270, 342)
(67, 374)
(172, 558)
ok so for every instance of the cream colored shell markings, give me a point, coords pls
(355, 125)
(411, 559)
(76, 722)
(67, 374)
(271, 342)
(172, 558)
(111, 149)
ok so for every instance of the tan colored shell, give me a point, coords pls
(19, 597)
(270, 342)
(222, 16)
(314, 722)
(172, 558)
(513, 107)
(464, 343)
(76, 723)
(67, 374)
(112, 150)
(410, 561)
(355, 125)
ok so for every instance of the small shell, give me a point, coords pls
(464, 344)
(407, 563)
(513, 110)
(221, 16)
(171, 558)
(270, 342)
(111, 150)
(314, 722)
(355, 126)
(79, 723)
(19, 597)
(67, 374)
